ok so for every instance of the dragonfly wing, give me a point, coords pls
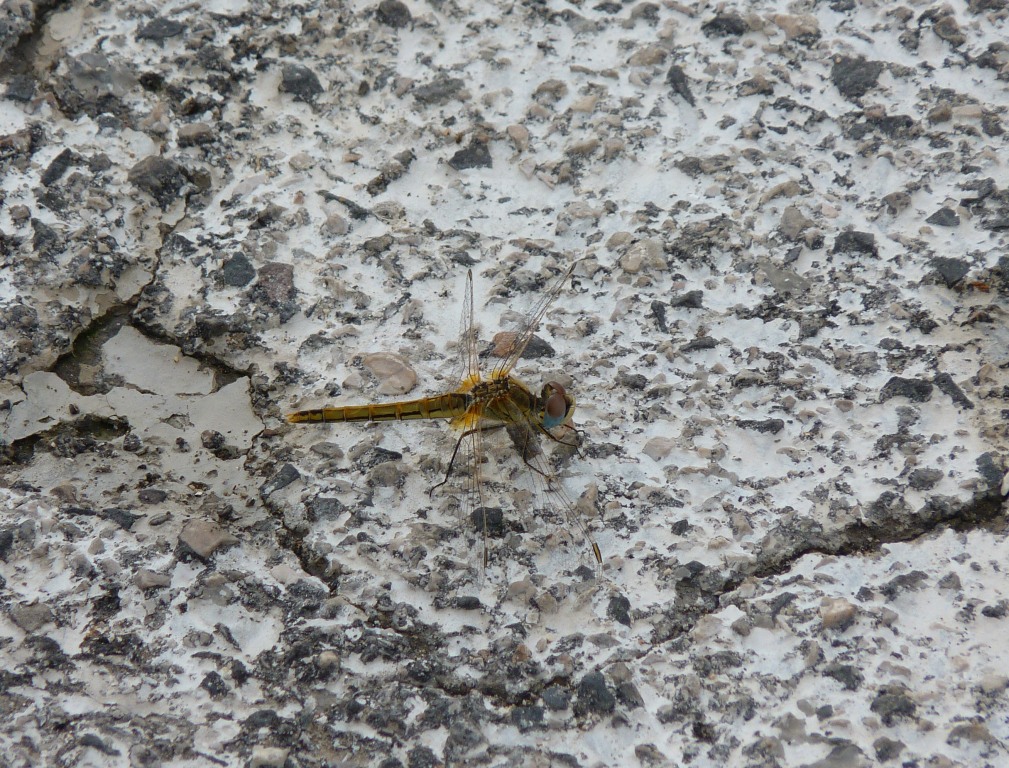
(474, 503)
(550, 498)
(467, 333)
(531, 322)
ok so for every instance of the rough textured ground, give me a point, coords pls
(787, 334)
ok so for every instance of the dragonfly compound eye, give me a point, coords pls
(555, 404)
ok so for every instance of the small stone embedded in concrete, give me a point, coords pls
(944, 217)
(147, 579)
(526, 718)
(121, 517)
(215, 685)
(925, 478)
(203, 538)
(388, 474)
(893, 702)
(59, 166)
(268, 757)
(856, 242)
(771, 426)
(897, 202)
(657, 448)
(793, 223)
(476, 155)
(725, 24)
(944, 383)
(20, 88)
(854, 76)
(904, 582)
(950, 581)
(276, 281)
(594, 696)
(237, 270)
(645, 254)
(161, 178)
(152, 495)
(301, 82)
(680, 84)
(211, 439)
(618, 609)
(490, 519)
(423, 757)
(801, 27)
(31, 617)
(160, 28)
(887, 749)
(994, 683)
(837, 613)
(689, 300)
(555, 697)
(336, 225)
(282, 478)
(519, 135)
(438, 91)
(393, 13)
(950, 270)
(949, 30)
(195, 134)
(95, 742)
(915, 390)
(395, 375)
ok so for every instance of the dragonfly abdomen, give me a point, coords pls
(440, 407)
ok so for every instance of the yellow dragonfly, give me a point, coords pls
(481, 404)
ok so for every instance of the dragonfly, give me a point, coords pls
(484, 403)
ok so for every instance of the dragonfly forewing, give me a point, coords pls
(531, 322)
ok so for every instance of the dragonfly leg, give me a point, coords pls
(577, 444)
(562, 441)
(455, 453)
(526, 452)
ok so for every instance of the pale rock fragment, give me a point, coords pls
(204, 538)
(519, 135)
(394, 373)
(646, 254)
(658, 448)
(145, 579)
(796, 25)
(837, 613)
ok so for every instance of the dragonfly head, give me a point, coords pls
(558, 405)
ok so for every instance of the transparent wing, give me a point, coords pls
(474, 498)
(549, 497)
(467, 333)
(531, 323)
(467, 362)
(466, 466)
